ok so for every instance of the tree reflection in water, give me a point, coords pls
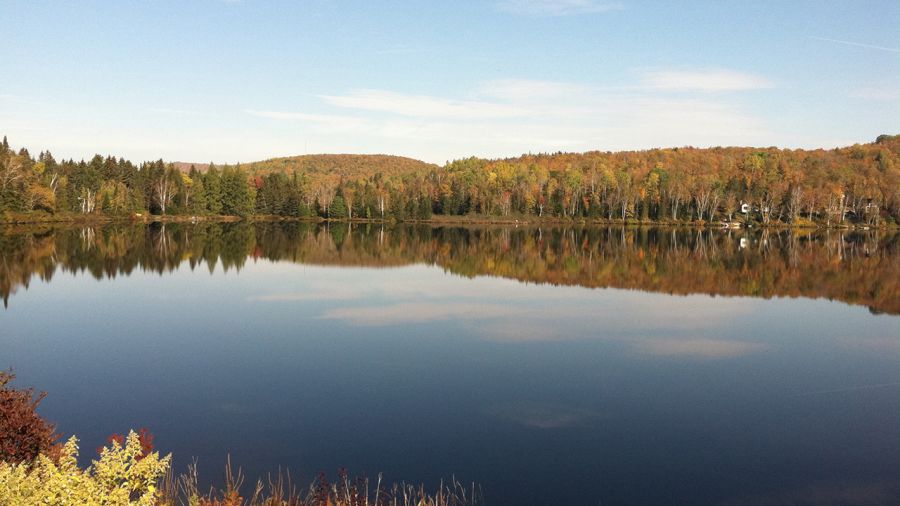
(860, 268)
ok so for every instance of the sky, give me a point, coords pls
(244, 80)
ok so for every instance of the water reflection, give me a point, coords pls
(856, 268)
(481, 352)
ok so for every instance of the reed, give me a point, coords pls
(279, 489)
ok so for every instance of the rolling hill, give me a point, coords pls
(341, 165)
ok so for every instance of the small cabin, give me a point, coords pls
(745, 208)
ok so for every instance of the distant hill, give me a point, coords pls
(339, 165)
(186, 166)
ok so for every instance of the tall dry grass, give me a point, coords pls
(280, 490)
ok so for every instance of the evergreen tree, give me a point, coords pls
(338, 208)
(198, 204)
(237, 199)
(212, 184)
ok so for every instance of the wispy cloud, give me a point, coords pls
(858, 44)
(527, 89)
(539, 8)
(507, 117)
(421, 106)
(713, 80)
(324, 122)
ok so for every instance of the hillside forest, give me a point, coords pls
(855, 185)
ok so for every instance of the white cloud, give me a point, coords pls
(527, 89)
(508, 117)
(421, 106)
(537, 8)
(324, 122)
(713, 80)
(652, 121)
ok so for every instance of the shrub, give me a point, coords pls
(23, 434)
(119, 478)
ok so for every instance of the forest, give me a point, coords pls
(857, 185)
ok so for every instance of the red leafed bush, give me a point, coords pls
(23, 434)
(144, 436)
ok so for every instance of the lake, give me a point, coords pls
(550, 365)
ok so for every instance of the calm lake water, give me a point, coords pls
(551, 366)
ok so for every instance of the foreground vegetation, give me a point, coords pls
(35, 469)
(852, 186)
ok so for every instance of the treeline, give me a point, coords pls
(855, 267)
(115, 186)
(859, 184)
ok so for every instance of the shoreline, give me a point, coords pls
(75, 219)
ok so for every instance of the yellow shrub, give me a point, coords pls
(122, 477)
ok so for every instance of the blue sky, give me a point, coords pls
(242, 80)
